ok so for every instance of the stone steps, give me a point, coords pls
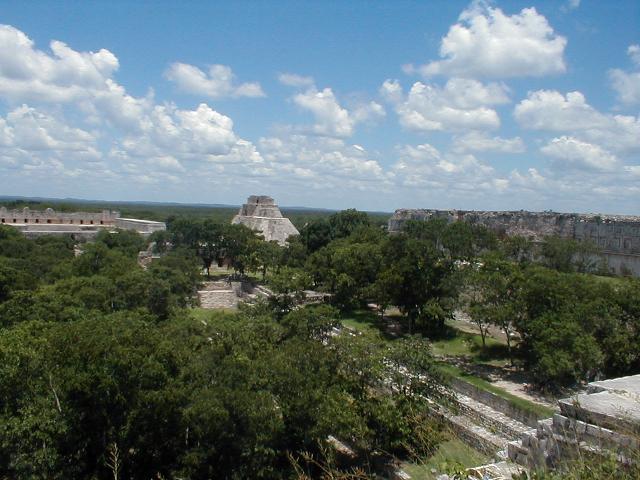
(214, 299)
(490, 418)
(604, 421)
(476, 436)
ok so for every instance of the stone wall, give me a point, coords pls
(617, 236)
(604, 421)
(144, 227)
(50, 216)
(497, 403)
(81, 225)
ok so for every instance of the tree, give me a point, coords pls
(315, 234)
(288, 285)
(423, 288)
(269, 255)
(345, 222)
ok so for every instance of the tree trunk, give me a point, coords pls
(506, 332)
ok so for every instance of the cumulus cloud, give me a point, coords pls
(626, 84)
(576, 153)
(552, 111)
(217, 82)
(634, 53)
(28, 129)
(461, 104)
(332, 119)
(29, 74)
(294, 80)
(322, 162)
(424, 167)
(140, 140)
(481, 142)
(488, 43)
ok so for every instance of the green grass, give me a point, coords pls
(540, 410)
(364, 321)
(450, 453)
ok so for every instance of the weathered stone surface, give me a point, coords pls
(261, 214)
(82, 225)
(606, 419)
(617, 236)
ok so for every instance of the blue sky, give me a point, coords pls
(373, 105)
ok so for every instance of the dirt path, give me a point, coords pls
(463, 322)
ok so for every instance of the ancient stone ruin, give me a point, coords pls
(603, 421)
(82, 225)
(260, 213)
(617, 236)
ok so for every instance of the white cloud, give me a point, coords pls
(28, 129)
(487, 43)
(481, 142)
(28, 74)
(332, 119)
(218, 82)
(293, 80)
(576, 153)
(322, 162)
(627, 84)
(459, 105)
(570, 5)
(634, 53)
(424, 167)
(551, 111)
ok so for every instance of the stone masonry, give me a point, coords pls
(82, 225)
(604, 420)
(260, 213)
(617, 236)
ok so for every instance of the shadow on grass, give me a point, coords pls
(492, 351)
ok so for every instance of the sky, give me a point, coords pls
(501, 105)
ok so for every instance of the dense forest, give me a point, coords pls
(106, 371)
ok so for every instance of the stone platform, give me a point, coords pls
(603, 421)
(261, 214)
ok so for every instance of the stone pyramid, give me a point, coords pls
(261, 213)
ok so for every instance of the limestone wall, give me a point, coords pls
(526, 417)
(260, 206)
(261, 214)
(140, 226)
(82, 225)
(617, 236)
(50, 216)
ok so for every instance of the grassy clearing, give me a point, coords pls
(457, 343)
(363, 320)
(539, 410)
(452, 453)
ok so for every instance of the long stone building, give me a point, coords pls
(82, 225)
(617, 236)
(261, 213)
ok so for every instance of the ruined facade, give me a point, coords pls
(617, 236)
(84, 225)
(261, 214)
(604, 420)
